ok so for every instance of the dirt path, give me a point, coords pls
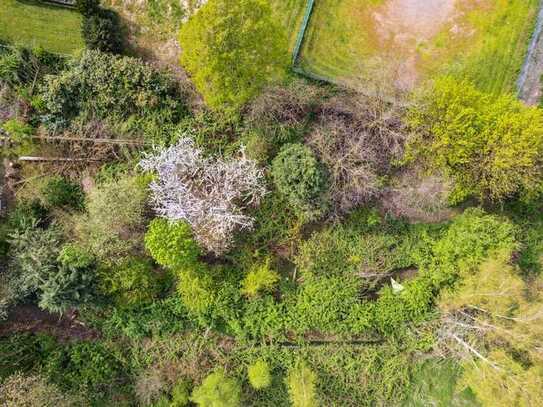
(529, 82)
(29, 318)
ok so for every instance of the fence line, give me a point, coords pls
(301, 34)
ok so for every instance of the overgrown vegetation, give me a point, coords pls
(319, 247)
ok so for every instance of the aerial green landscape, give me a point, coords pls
(238, 203)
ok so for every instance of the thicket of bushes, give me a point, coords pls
(270, 275)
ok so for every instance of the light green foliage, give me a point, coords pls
(232, 48)
(300, 178)
(301, 383)
(21, 133)
(490, 147)
(344, 251)
(259, 374)
(217, 390)
(509, 385)
(260, 279)
(468, 241)
(171, 244)
(132, 282)
(60, 192)
(197, 288)
(114, 224)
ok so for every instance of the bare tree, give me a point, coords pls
(210, 194)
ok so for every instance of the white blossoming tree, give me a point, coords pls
(210, 194)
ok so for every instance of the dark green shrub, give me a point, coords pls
(60, 192)
(88, 364)
(88, 7)
(171, 244)
(217, 390)
(125, 90)
(102, 31)
(301, 179)
(158, 318)
(23, 66)
(27, 214)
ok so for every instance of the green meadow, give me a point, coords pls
(412, 40)
(35, 24)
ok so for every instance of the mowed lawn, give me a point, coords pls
(290, 13)
(413, 40)
(31, 23)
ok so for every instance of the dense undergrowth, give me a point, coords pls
(314, 246)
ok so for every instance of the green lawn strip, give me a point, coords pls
(31, 23)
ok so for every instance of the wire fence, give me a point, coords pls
(301, 33)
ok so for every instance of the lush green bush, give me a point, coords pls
(132, 282)
(300, 178)
(259, 374)
(231, 49)
(217, 390)
(102, 31)
(87, 365)
(59, 192)
(301, 383)
(26, 214)
(491, 148)
(100, 85)
(171, 244)
(260, 279)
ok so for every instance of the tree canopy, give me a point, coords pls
(232, 48)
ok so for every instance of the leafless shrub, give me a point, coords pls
(418, 198)
(357, 137)
(286, 105)
(210, 194)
